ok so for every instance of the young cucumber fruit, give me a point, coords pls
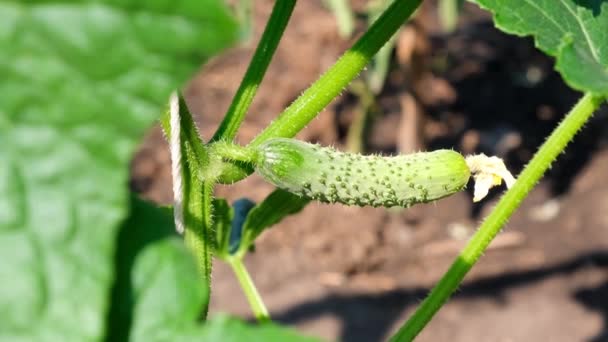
(327, 175)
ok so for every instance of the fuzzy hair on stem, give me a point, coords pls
(175, 149)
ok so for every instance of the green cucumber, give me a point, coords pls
(328, 175)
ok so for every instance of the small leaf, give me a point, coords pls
(222, 223)
(269, 212)
(574, 31)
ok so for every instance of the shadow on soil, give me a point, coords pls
(596, 299)
(368, 317)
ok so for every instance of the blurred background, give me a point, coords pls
(449, 79)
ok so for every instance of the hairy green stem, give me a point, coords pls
(189, 132)
(255, 301)
(197, 193)
(255, 72)
(498, 217)
(198, 222)
(232, 152)
(330, 84)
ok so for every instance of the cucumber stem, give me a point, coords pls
(275, 27)
(332, 82)
(233, 152)
(510, 201)
(253, 296)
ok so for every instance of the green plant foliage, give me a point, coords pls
(226, 329)
(167, 293)
(197, 200)
(269, 212)
(156, 291)
(238, 226)
(82, 260)
(157, 295)
(574, 31)
(222, 224)
(81, 81)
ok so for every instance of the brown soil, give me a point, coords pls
(354, 274)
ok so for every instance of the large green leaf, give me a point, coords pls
(168, 298)
(158, 295)
(574, 31)
(167, 292)
(149, 257)
(80, 82)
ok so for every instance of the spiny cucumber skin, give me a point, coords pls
(327, 175)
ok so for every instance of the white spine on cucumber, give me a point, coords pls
(328, 175)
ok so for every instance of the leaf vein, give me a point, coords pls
(592, 47)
